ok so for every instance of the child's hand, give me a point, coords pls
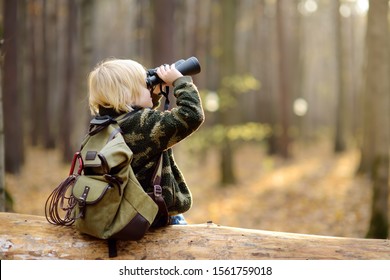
(168, 74)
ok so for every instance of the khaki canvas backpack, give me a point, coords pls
(103, 198)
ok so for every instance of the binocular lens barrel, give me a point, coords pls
(190, 66)
(187, 67)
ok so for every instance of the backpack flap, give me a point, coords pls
(105, 152)
(89, 190)
(115, 155)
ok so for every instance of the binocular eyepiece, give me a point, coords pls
(187, 67)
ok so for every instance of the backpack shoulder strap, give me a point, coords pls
(98, 123)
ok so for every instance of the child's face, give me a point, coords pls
(144, 100)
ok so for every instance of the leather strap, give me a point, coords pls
(162, 218)
(112, 250)
(156, 178)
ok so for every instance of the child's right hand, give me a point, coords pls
(168, 73)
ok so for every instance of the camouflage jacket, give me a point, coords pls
(150, 132)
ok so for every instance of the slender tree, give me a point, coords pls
(39, 80)
(227, 64)
(2, 167)
(284, 141)
(67, 120)
(50, 54)
(86, 47)
(162, 40)
(339, 141)
(14, 150)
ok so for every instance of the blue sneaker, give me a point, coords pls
(178, 220)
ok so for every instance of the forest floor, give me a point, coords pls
(315, 192)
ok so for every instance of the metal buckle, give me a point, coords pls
(157, 190)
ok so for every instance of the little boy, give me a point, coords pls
(117, 87)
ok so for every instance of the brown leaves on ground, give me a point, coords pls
(316, 192)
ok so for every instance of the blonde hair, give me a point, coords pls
(115, 83)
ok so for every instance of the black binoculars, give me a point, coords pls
(187, 67)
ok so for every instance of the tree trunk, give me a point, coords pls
(227, 64)
(379, 225)
(339, 140)
(49, 18)
(86, 47)
(32, 237)
(163, 47)
(2, 167)
(376, 37)
(378, 87)
(33, 129)
(70, 80)
(13, 131)
(284, 140)
(38, 75)
(226, 163)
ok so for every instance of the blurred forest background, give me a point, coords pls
(296, 94)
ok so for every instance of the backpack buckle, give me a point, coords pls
(157, 191)
(82, 202)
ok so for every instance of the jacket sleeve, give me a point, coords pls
(170, 127)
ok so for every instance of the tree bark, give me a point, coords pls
(228, 69)
(377, 89)
(163, 45)
(2, 167)
(379, 225)
(284, 91)
(68, 119)
(14, 150)
(32, 237)
(341, 110)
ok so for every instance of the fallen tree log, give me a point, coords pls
(32, 237)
